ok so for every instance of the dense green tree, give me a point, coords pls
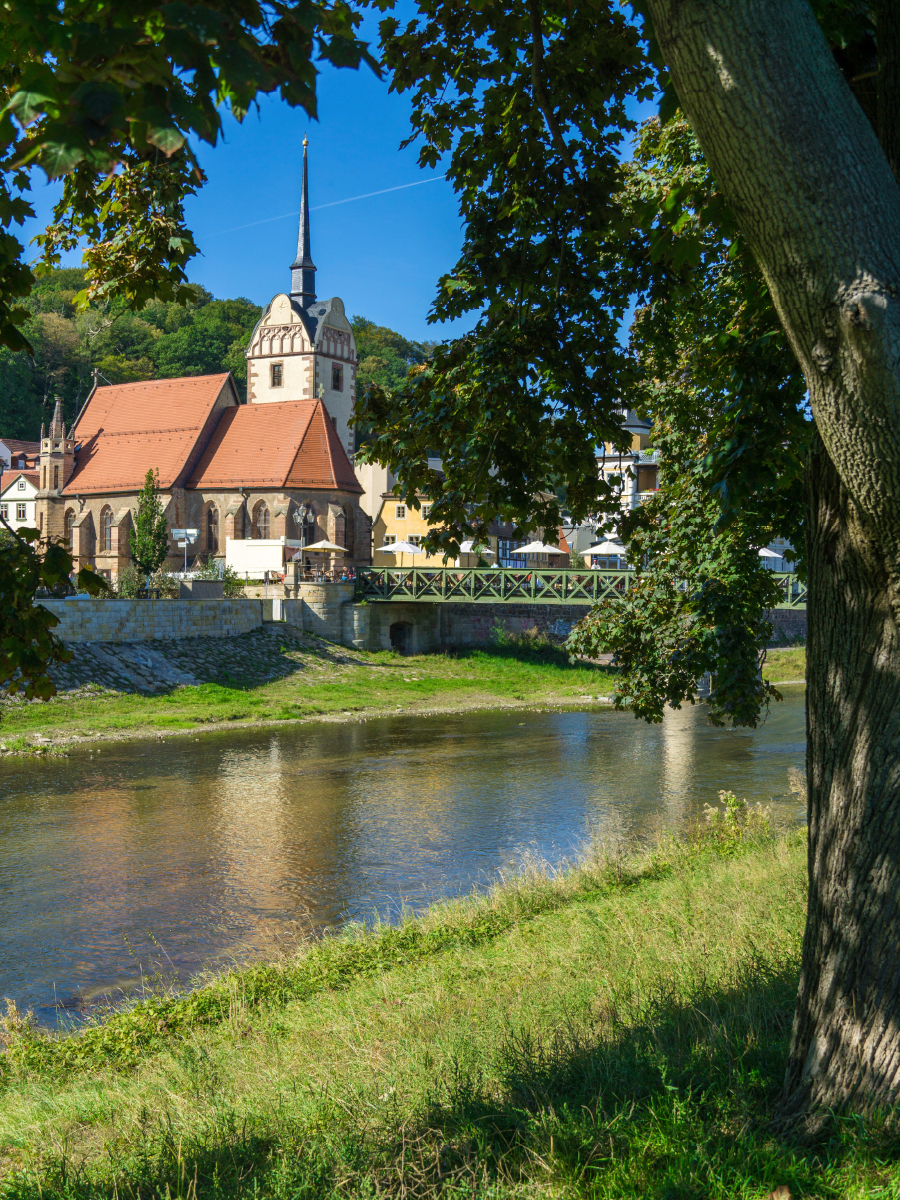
(794, 106)
(165, 340)
(150, 536)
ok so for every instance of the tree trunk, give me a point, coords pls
(816, 200)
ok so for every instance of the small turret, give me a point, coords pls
(57, 454)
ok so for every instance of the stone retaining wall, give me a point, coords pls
(146, 620)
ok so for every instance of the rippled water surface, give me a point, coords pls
(186, 853)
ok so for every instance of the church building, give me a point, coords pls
(274, 463)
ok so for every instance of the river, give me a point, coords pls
(179, 855)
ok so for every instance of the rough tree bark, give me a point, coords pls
(816, 200)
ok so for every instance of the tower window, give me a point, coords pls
(276, 375)
(337, 377)
(56, 477)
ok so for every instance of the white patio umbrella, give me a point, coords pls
(767, 553)
(402, 548)
(325, 547)
(608, 549)
(472, 547)
(536, 548)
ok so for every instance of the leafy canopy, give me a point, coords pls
(531, 102)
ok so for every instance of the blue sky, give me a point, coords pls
(382, 255)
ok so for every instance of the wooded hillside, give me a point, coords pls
(163, 341)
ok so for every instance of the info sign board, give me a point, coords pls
(185, 538)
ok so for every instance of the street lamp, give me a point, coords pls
(303, 517)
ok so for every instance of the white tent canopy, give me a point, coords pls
(608, 549)
(535, 548)
(401, 548)
(766, 553)
(472, 547)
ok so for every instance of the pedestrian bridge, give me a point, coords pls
(449, 585)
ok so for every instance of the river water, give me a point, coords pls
(186, 854)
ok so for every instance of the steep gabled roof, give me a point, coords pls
(128, 428)
(292, 443)
(14, 446)
(8, 478)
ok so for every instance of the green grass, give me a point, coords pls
(328, 680)
(616, 1031)
(789, 663)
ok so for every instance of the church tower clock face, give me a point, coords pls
(303, 348)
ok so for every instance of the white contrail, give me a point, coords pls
(331, 204)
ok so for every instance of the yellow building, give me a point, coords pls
(397, 522)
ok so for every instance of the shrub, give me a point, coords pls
(737, 821)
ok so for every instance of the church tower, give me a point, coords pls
(57, 462)
(303, 348)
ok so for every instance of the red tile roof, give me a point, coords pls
(16, 447)
(7, 478)
(128, 428)
(287, 444)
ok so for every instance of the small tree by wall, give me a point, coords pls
(150, 539)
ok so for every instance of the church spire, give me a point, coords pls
(58, 425)
(303, 271)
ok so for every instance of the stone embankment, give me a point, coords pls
(154, 667)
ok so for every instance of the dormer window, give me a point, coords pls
(337, 377)
(276, 375)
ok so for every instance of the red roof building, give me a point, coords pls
(227, 469)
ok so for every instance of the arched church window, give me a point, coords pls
(261, 520)
(68, 521)
(212, 530)
(106, 527)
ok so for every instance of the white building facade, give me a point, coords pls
(18, 490)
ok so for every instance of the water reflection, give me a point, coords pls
(191, 852)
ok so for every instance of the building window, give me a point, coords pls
(400, 512)
(276, 375)
(212, 530)
(21, 514)
(67, 525)
(261, 521)
(56, 477)
(43, 479)
(389, 539)
(425, 510)
(337, 377)
(4, 511)
(106, 525)
(415, 539)
(21, 485)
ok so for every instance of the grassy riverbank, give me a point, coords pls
(270, 676)
(619, 1031)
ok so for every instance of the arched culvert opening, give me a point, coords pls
(401, 637)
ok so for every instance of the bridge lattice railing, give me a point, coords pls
(473, 585)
